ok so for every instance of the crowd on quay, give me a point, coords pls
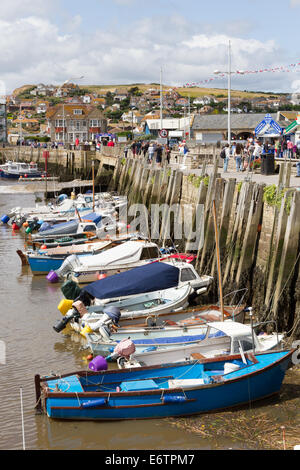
(153, 151)
(248, 153)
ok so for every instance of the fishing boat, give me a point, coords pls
(131, 254)
(16, 170)
(161, 391)
(219, 338)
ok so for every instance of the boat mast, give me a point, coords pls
(218, 259)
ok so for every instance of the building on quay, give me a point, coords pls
(213, 128)
(69, 122)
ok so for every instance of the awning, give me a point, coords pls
(291, 128)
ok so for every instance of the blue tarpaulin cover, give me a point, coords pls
(148, 278)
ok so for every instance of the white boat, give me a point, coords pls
(178, 343)
(16, 170)
(150, 294)
(131, 254)
(228, 337)
(65, 209)
(144, 307)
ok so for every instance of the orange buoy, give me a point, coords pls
(26, 224)
(44, 247)
(90, 357)
(101, 276)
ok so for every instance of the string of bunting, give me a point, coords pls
(286, 68)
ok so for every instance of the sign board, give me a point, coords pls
(268, 127)
(122, 138)
(163, 133)
(162, 141)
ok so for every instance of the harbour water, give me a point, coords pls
(28, 313)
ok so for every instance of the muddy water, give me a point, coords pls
(28, 310)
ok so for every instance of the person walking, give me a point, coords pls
(168, 153)
(257, 151)
(159, 151)
(290, 146)
(138, 148)
(226, 157)
(151, 151)
(238, 153)
(133, 148)
(145, 148)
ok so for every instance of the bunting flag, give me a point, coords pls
(280, 69)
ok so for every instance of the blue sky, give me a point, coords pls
(128, 41)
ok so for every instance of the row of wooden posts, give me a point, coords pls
(259, 263)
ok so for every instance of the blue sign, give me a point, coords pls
(268, 121)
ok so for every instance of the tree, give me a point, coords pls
(109, 98)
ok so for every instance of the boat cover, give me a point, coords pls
(149, 278)
(128, 252)
(92, 217)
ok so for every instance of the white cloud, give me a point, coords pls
(13, 9)
(294, 3)
(35, 50)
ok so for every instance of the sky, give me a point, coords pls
(131, 41)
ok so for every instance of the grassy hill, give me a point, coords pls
(193, 92)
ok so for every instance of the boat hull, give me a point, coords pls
(256, 381)
(42, 266)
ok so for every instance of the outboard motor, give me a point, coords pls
(69, 263)
(73, 314)
(109, 320)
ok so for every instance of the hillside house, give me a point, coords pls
(67, 123)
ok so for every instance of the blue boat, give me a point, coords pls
(167, 390)
(43, 261)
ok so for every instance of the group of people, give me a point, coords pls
(245, 154)
(150, 151)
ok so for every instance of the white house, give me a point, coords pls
(86, 99)
(132, 116)
(295, 98)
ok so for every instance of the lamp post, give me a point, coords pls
(161, 100)
(229, 73)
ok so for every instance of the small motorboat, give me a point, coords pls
(161, 391)
(129, 255)
(87, 223)
(16, 170)
(44, 261)
(151, 290)
(219, 338)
